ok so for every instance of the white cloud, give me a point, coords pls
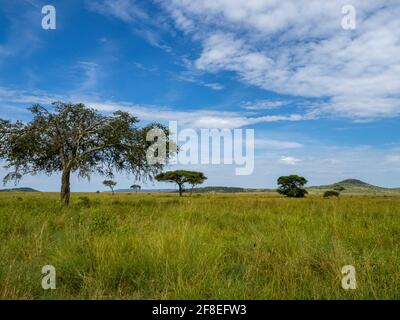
(195, 118)
(289, 160)
(276, 144)
(125, 10)
(13, 96)
(194, 78)
(188, 118)
(263, 104)
(299, 48)
(214, 86)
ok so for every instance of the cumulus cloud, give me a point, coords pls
(299, 48)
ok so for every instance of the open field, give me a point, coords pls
(218, 246)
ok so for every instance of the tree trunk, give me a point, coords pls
(65, 187)
(180, 190)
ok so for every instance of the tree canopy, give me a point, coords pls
(111, 184)
(195, 178)
(135, 187)
(292, 186)
(73, 138)
(180, 177)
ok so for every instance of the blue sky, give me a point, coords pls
(324, 102)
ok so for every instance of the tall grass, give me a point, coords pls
(159, 246)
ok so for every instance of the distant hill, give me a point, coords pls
(19, 190)
(353, 186)
(353, 182)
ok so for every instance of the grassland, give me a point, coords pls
(219, 246)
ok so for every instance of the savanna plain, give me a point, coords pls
(204, 246)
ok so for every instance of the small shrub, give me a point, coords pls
(331, 193)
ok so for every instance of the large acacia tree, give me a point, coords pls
(180, 177)
(73, 138)
(292, 186)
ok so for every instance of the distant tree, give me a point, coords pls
(75, 138)
(180, 177)
(292, 186)
(331, 193)
(135, 187)
(111, 184)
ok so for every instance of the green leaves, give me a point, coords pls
(180, 177)
(292, 186)
(75, 138)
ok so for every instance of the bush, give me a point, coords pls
(331, 193)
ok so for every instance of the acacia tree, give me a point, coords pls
(195, 178)
(111, 184)
(180, 177)
(292, 186)
(135, 187)
(76, 139)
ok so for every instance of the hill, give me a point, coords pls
(353, 186)
(19, 190)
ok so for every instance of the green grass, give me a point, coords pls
(236, 246)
